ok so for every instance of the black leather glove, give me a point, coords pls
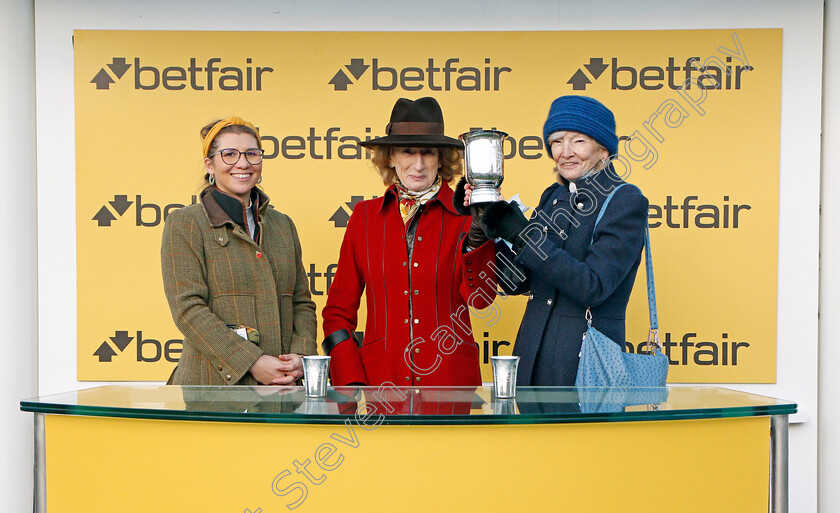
(502, 219)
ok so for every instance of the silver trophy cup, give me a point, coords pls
(315, 370)
(504, 375)
(484, 160)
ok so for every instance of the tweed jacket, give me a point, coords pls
(418, 328)
(215, 275)
(566, 267)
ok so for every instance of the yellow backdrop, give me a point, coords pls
(706, 156)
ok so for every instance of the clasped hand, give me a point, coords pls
(284, 369)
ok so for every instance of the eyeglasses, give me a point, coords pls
(230, 156)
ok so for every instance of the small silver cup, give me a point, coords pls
(504, 375)
(315, 371)
(484, 163)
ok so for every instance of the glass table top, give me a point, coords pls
(403, 405)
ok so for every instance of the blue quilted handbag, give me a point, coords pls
(602, 362)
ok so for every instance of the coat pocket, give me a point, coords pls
(235, 309)
(377, 362)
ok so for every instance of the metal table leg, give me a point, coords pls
(779, 464)
(39, 501)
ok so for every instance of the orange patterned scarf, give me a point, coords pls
(411, 201)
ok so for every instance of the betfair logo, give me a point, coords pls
(147, 349)
(673, 75)
(452, 75)
(145, 214)
(214, 75)
(723, 70)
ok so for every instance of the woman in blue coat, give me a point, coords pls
(559, 257)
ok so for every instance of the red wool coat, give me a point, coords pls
(418, 329)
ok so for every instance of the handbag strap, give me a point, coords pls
(651, 289)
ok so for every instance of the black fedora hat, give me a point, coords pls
(416, 123)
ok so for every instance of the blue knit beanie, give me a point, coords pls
(584, 115)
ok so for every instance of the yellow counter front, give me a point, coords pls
(266, 450)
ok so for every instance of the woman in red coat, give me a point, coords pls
(421, 264)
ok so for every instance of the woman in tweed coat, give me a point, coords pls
(233, 273)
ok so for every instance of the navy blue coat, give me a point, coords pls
(564, 274)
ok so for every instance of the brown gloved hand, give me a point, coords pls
(476, 236)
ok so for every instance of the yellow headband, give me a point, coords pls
(233, 120)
